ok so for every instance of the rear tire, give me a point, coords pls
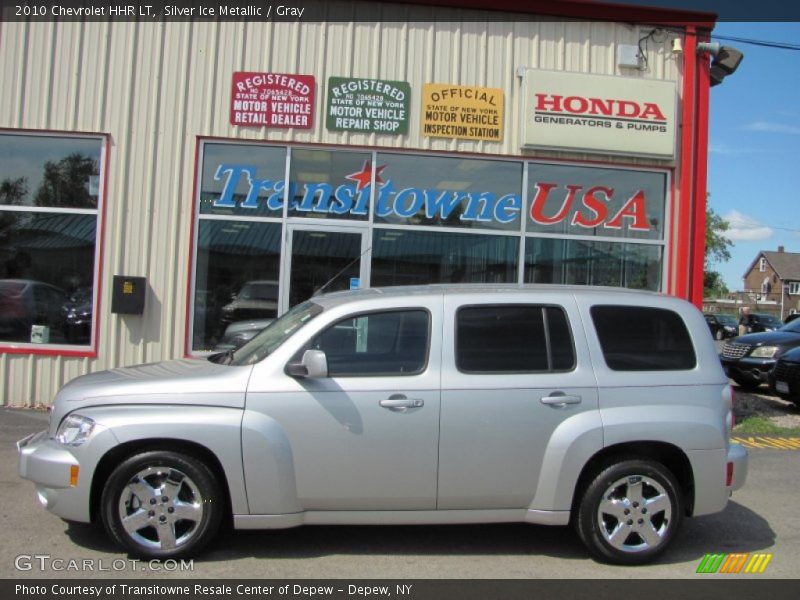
(161, 504)
(630, 511)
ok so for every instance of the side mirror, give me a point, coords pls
(314, 365)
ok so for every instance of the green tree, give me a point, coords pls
(717, 251)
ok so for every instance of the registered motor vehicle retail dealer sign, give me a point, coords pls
(459, 111)
(272, 100)
(367, 105)
(598, 113)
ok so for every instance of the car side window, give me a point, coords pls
(513, 339)
(377, 344)
(636, 338)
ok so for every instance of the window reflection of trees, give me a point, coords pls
(46, 251)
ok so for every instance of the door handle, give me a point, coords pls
(560, 399)
(400, 403)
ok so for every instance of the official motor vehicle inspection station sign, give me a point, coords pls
(367, 105)
(272, 100)
(460, 111)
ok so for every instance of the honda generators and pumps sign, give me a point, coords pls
(598, 113)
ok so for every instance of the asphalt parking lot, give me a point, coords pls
(760, 518)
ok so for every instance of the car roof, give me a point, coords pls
(453, 289)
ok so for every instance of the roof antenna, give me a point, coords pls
(335, 277)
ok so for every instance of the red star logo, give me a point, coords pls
(364, 177)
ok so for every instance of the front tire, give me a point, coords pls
(630, 511)
(720, 334)
(161, 504)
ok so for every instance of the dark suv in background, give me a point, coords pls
(756, 322)
(748, 359)
(722, 326)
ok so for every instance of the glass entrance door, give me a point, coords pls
(325, 260)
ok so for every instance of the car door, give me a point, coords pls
(366, 436)
(515, 372)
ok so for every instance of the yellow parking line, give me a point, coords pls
(775, 443)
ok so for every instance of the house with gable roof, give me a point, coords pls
(774, 277)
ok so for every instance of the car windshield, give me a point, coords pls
(259, 291)
(11, 288)
(770, 320)
(726, 319)
(277, 332)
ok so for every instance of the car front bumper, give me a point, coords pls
(750, 368)
(62, 474)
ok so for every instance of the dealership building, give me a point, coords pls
(164, 177)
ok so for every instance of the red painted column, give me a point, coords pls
(681, 250)
(700, 178)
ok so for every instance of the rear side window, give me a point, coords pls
(635, 338)
(513, 339)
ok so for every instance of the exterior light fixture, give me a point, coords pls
(725, 60)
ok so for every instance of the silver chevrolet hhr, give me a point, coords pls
(604, 408)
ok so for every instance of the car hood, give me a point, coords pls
(769, 338)
(187, 381)
(245, 304)
(792, 356)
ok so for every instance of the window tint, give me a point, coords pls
(636, 338)
(390, 343)
(512, 339)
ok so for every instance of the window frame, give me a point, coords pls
(549, 347)
(379, 311)
(72, 350)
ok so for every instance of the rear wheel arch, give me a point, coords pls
(669, 455)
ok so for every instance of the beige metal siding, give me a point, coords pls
(155, 87)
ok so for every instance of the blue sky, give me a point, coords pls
(754, 146)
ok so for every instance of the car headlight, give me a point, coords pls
(764, 352)
(75, 430)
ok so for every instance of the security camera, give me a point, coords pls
(677, 47)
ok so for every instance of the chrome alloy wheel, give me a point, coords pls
(161, 508)
(634, 514)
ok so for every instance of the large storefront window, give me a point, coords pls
(330, 184)
(583, 262)
(593, 201)
(449, 192)
(242, 180)
(238, 263)
(401, 257)
(277, 224)
(49, 199)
